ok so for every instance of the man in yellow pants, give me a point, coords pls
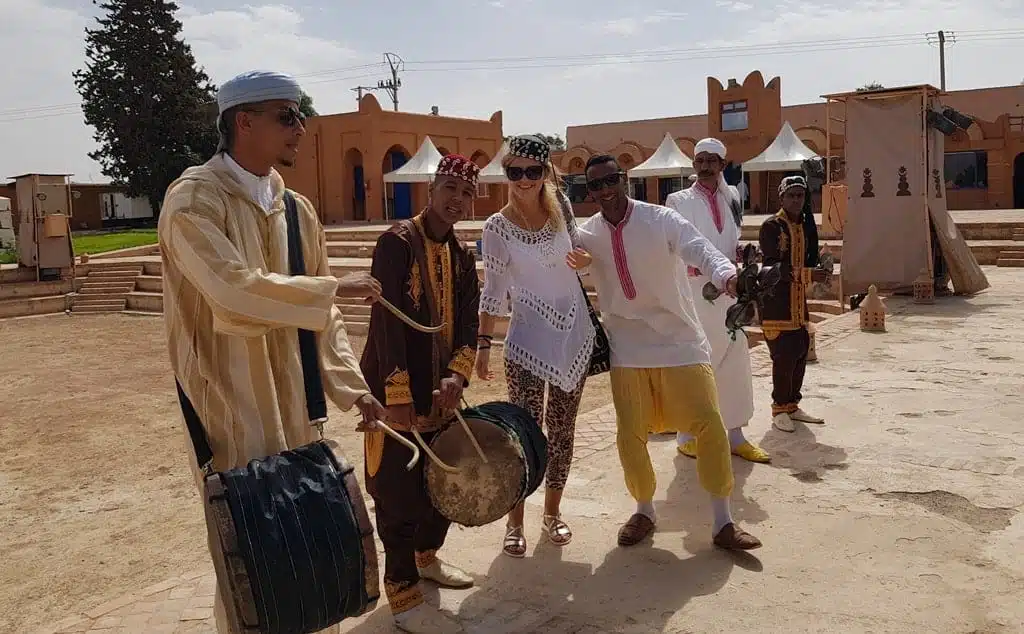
(636, 255)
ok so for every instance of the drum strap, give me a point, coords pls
(316, 402)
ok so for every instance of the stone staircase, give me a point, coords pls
(105, 289)
(1013, 255)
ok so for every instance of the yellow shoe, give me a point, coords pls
(753, 453)
(688, 448)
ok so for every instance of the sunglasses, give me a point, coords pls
(288, 117)
(533, 173)
(610, 180)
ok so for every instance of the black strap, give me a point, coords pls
(316, 402)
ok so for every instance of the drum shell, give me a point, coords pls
(479, 493)
(235, 569)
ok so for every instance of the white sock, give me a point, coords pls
(646, 508)
(736, 437)
(682, 438)
(720, 508)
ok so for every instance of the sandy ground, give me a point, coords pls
(902, 514)
(95, 495)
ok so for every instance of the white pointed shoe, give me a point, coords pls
(446, 575)
(426, 619)
(803, 417)
(783, 422)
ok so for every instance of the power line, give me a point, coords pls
(395, 64)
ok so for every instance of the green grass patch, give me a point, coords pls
(93, 243)
(8, 256)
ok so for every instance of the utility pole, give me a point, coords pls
(942, 38)
(392, 85)
(942, 60)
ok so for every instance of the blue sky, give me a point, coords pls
(336, 46)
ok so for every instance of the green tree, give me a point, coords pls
(872, 86)
(555, 141)
(306, 106)
(145, 97)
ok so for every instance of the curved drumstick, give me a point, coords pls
(433, 456)
(405, 441)
(397, 312)
(472, 438)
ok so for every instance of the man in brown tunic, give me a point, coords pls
(419, 377)
(784, 315)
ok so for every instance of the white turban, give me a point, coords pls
(256, 86)
(711, 146)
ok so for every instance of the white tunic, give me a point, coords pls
(550, 333)
(639, 271)
(729, 358)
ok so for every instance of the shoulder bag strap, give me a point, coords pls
(316, 402)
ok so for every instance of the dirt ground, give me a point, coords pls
(95, 492)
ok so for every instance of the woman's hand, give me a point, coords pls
(483, 364)
(578, 259)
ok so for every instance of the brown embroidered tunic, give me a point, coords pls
(433, 283)
(783, 242)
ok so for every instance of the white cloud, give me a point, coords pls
(43, 45)
(734, 6)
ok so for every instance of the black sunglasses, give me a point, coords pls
(610, 180)
(287, 117)
(533, 173)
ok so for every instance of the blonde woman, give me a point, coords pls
(550, 336)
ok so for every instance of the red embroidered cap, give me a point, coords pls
(459, 166)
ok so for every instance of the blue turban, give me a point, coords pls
(256, 86)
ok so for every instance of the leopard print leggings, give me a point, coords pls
(559, 419)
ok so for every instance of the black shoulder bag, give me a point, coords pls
(289, 533)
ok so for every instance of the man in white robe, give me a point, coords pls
(715, 209)
(231, 306)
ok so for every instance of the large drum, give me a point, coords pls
(292, 542)
(478, 493)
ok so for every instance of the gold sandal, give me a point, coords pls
(515, 543)
(557, 530)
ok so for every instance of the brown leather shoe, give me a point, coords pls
(732, 537)
(636, 529)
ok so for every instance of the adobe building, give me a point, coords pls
(984, 166)
(344, 157)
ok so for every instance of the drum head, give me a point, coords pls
(479, 493)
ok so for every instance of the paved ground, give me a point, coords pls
(901, 514)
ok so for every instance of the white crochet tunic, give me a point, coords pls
(550, 333)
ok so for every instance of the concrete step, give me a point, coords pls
(98, 305)
(116, 272)
(92, 278)
(1010, 262)
(825, 306)
(149, 283)
(117, 289)
(1012, 253)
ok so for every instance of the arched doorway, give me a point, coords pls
(356, 184)
(1018, 181)
(398, 196)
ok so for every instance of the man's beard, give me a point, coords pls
(705, 174)
(286, 162)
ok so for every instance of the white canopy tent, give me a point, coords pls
(420, 168)
(668, 160)
(493, 172)
(786, 153)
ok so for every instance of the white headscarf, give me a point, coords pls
(711, 146)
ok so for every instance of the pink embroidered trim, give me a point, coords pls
(712, 200)
(619, 253)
